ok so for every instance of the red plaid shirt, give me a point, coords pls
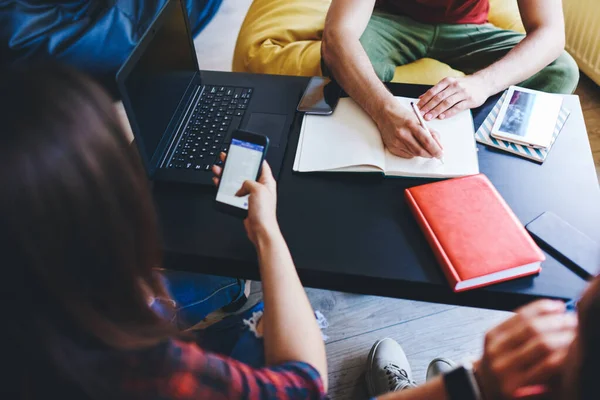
(183, 371)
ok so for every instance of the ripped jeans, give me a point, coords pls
(194, 296)
(236, 337)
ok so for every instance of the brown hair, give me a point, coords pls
(78, 231)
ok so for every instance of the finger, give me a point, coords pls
(414, 147)
(540, 346)
(215, 181)
(436, 101)
(428, 142)
(549, 368)
(542, 307)
(266, 175)
(404, 154)
(437, 138)
(401, 152)
(521, 328)
(444, 105)
(216, 170)
(530, 310)
(426, 98)
(455, 109)
(541, 349)
(222, 156)
(247, 188)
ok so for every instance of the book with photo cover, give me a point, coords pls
(527, 117)
(483, 135)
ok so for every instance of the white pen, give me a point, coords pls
(422, 122)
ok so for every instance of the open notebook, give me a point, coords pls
(349, 141)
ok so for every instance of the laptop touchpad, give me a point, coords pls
(270, 125)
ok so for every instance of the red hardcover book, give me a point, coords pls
(475, 236)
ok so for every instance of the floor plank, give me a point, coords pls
(351, 315)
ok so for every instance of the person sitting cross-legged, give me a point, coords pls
(365, 40)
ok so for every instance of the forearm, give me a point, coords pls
(352, 69)
(432, 390)
(519, 65)
(290, 329)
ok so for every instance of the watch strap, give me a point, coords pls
(461, 384)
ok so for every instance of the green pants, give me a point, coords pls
(392, 40)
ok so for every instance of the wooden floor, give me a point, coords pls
(425, 330)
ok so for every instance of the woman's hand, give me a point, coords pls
(528, 349)
(262, 202)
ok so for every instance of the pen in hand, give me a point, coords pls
(422, 123)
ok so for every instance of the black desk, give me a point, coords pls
(354, 233)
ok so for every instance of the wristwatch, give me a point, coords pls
(461, 384)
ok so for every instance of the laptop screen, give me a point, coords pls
(160, 77)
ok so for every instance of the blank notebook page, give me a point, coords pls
(348, 137)
(457, 136)
(350, 140)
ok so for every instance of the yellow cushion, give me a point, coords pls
(505, 14)
(425, 71)
(281, 37)
(284, 37)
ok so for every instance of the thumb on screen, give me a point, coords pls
(247, 188)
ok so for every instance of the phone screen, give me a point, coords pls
(243, 163)
(320, 96)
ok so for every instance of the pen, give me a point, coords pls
(422, 122)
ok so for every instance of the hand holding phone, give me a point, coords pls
(243, 163)
(262, 202)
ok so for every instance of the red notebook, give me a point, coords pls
(475, 236)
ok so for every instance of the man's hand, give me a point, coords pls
(404, 136)
(453, 95)
(528, 349)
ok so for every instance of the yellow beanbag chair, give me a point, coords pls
(284, 37)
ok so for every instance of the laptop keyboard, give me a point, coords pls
(205, 134)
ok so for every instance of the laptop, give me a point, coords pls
(182, 117)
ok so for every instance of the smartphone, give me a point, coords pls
(569, 245)
(244, 161)
(320, 96)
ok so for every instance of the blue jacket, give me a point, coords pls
(95, 36)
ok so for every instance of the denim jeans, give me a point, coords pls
(197, 295)
(233, 337)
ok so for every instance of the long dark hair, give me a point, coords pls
(78, 233)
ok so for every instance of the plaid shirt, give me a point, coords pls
(183, 371)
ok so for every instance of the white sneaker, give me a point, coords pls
(388, 369)
(439, 366)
